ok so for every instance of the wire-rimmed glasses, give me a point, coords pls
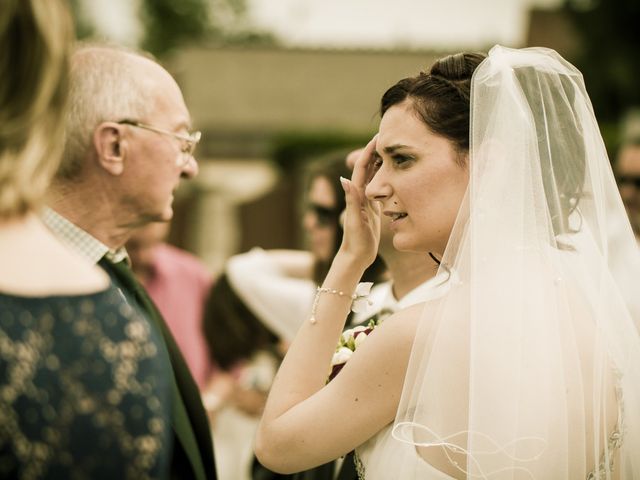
(189, 141)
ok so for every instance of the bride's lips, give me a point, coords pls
(396, 217)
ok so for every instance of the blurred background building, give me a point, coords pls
(274, 83)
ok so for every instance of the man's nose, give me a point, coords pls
(190, 169)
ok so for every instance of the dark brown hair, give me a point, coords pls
(441, 98)
(562, 153)
(232, 332)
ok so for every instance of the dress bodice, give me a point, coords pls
(406, 454)
(365, 459)
(83, 389)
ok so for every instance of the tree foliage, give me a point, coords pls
(84, 28)
(609, 57)
(171, 24)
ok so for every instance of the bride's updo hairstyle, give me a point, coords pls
(562, 156)
(441, 97)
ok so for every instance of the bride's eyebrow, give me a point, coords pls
(392, 148)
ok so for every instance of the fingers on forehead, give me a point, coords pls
(362, 170)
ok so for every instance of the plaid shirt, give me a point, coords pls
(80, 241)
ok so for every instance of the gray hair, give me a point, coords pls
(106, 85)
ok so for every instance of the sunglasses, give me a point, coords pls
(324, 216)
(629, 180)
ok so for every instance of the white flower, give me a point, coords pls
(346, 335)
(359, 339)
(349, 341)
(361, 301)
(363, 289)
(342, 355)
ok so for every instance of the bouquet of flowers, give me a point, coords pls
(349, 341)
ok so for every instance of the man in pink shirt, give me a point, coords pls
(178, 283)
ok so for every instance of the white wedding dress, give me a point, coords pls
(383, 455)
(404, 451)
(404, 454)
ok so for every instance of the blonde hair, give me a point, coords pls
(105, 85)
(36, 39)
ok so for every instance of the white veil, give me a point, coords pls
(529, 368)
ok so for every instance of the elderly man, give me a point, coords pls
(127, 147)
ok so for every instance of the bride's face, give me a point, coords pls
(420, 182)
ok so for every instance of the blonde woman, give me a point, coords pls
(82, 388)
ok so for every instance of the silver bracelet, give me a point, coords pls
(357, 297)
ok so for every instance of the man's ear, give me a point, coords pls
(110, 147)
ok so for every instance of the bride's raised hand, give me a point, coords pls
(362, 216)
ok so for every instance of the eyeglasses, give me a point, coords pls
(324, 216)
(629, 180)
(189, 142)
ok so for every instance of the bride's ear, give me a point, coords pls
(464, 159)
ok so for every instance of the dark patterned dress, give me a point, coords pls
(84, 391)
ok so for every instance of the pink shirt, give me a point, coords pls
(179, 287)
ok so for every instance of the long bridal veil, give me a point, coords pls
(529, 368)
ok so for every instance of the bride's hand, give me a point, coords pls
(362, 216)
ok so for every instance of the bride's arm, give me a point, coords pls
(305, 424)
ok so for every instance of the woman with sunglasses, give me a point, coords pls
(321, 221)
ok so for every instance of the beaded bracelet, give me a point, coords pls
(361, 293)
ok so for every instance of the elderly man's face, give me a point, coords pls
(628, 174)
(156, 161)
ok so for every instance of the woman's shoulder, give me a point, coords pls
(403, 322)
(392, 339)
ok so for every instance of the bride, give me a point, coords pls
(528, 365)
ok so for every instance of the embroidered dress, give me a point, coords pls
(83, 390)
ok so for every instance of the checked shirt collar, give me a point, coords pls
(79, 240)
